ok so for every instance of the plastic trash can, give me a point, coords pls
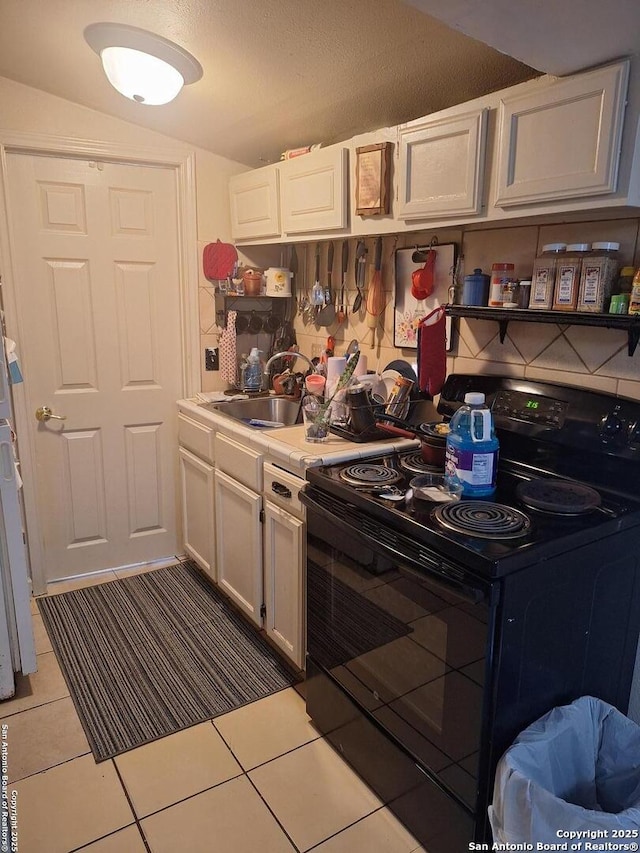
(577, 768)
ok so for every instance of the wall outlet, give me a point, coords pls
(211, 358)
(316, 349)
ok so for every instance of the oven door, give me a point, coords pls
(407, 641)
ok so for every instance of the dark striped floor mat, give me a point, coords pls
(152, 654)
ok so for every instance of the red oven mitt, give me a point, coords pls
(218, 260)
(432, 352)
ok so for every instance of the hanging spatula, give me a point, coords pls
(293, 266)
(327, 314)
(342, 311)
(317, 293)
(360, 263)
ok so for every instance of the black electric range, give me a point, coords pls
(531, 533)
(430, 648)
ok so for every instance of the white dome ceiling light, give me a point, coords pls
(142, 66)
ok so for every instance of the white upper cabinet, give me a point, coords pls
(255, 204)
(562, 141)
(441, 166)
(314, 191)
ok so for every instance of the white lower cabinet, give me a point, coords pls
(239, 544)
(256, 556)
(284, 560)
(197, 503)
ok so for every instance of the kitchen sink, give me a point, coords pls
(279, 410)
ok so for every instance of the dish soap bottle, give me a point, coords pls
(252, 371)
(472, 448)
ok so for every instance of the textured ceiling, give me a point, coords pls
(277, 73)
(557, 37)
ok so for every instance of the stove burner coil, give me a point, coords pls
(558, 497)
(370, 475)
(483, 519)
(415, 463)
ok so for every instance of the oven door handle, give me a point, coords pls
(433, 572)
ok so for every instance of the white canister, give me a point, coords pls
(278, 281)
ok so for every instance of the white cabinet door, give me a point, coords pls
(314, 191)
(562, 141)
(239, 544)
(255, 204)
(198, 510)
(441, 167)
(284, 559)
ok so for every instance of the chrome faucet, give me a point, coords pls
(265, 373)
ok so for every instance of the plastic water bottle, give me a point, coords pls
(472, 448)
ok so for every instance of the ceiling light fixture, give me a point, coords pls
(142, 66)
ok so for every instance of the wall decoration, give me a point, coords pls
(373, 171)
(409, 310)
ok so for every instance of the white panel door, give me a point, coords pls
(239, 544)
(255, 204)
(284, 561)
(562, 141)
(198, 510)
(314, 191)
(442, 166)
(95, 255)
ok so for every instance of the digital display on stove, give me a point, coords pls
(520, 406)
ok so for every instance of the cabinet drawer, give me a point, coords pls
(242, 463)
(283, 489)
(196, 437)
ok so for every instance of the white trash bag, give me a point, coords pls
(576, 768)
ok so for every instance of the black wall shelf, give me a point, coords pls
(628, 322)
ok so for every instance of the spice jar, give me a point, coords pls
(544, 276)
(625, 280)
(567, 283)
(634, 304)
(598, 274)
(509, 295)
(524, 293)
(501, 274)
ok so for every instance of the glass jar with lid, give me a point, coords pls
(501, 275)
(599, 272)
(544, 276)
(567, 283)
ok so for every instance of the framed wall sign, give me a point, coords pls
(373, 179)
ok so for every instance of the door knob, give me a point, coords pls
(44, 413)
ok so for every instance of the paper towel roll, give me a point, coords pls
(335, 365)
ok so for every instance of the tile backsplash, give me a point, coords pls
(575, 355)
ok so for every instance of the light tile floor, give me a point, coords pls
(256, 779)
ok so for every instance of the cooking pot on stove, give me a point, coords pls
(432, 435)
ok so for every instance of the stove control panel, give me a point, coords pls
(532, 408)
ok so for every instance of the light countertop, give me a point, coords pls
(288, 445)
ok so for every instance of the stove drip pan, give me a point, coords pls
(414, 463)
(558, 497)
(368, 475)
(483, 519)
